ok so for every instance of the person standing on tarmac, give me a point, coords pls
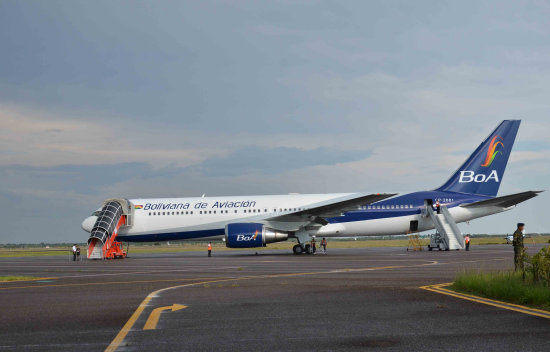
(324, 245)
(74, 252)
(519, 251)
(209, 249)
(313, 246)
(467, 241)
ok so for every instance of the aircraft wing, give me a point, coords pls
(504, 201)
(332, 208)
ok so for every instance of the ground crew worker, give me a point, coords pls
(324, 245)
(74, 252)
(519, 251)
(78, 253)
(313, 246)
(209, 249)
(467, 241)
(438, 207)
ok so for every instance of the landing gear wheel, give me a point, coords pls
(297, 249)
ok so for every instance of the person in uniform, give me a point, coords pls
(519, 251)
(324, 245)
(209, 249)
(467, 242)
(438, 207)
(74, 252)
(313, 246)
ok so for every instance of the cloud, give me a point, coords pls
(43, 138)
(163, 100)
(261, 160)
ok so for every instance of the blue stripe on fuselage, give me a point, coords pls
(171, 236)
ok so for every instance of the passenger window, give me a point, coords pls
(200, 212)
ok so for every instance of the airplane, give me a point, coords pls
(255, 221)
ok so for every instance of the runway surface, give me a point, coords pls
(347, 300)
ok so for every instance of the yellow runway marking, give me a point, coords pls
(491, 302)
(130, 323)
(103, 283)
(153, 320)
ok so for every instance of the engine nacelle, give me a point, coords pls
(250, 235)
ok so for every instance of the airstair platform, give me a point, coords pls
(446, 226)
(114, 214)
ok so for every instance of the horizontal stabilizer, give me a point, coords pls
(504, 201)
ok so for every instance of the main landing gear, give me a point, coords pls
(298, 249)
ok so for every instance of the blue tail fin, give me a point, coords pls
(483, 171)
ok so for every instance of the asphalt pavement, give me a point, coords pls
(347, 300)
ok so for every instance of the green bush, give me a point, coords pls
(539, 267)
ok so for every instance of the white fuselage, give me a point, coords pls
(185, 218)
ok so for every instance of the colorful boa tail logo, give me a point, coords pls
(255, 235)
(492, 152)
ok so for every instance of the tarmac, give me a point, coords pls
(347, 300)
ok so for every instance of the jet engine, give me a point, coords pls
(251, 235)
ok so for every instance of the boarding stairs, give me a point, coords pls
(115, 214)
(446, 226)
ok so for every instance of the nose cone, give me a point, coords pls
(89, 223)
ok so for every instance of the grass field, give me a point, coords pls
(504, 286)
(176, 247)
(16, 278)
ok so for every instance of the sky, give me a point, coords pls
(102, 99)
